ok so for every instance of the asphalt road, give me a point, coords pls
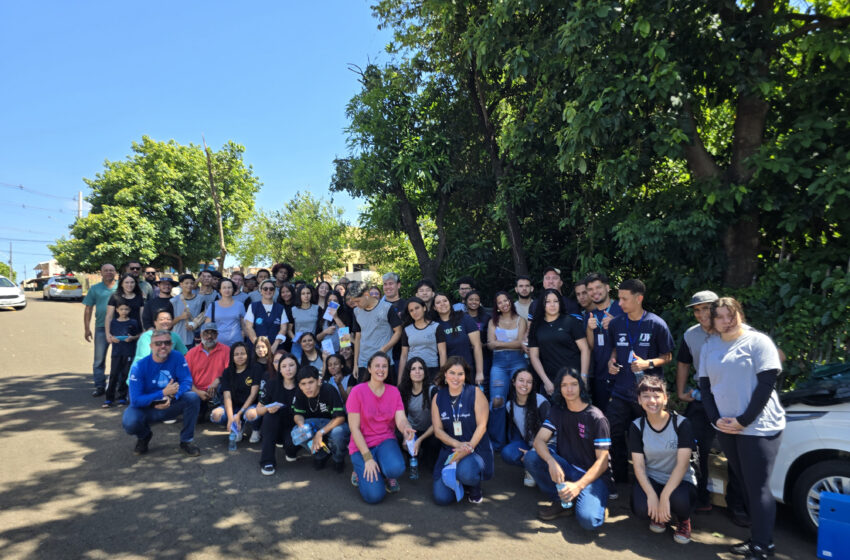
(71, 487)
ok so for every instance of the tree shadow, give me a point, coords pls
(74, 489)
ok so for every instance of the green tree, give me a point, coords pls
(308, 233)
(157, 206)
(6, 271)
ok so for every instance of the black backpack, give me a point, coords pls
(676, 423)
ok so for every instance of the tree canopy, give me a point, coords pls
(157, 206)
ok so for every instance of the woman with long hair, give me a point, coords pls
(375, 411)
(310, 355)
(329, 329)
(338, 375)
(419, 338)
(556, 340)
(416, 394)
(526, 411)
(305, 317)
(323, 288)
(240, 385)
(263, 352)
(737, 373)
(459, 415)
(460, 335)
(128, 291)
(277, 393)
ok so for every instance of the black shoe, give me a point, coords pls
(740, 518)
(142, 444)
(757, 552)
(190, 448)
(320, 460)
(98, 392)
(339, 467)
(743, 548)
(554, 511)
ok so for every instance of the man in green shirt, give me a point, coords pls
(98, 298)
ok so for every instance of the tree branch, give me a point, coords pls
(700, 162)
(815, 22)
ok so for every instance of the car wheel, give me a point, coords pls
(828, 476)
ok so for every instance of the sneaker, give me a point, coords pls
(475, 495)
(123, 402)
(98, 392)
(320, 461)
(190, 448)
(354, 481)
(107, 404)
(278, 444)
(393, 485)
(339, 466)
(528, 480)
(142, 444)
(553, 511)
(758, 553)
(172, 421)
(291, 459)
(743, 548)
(657, 528)
(683, 532)
(267, 470)
(255, 437)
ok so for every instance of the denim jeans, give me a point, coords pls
(589, 505)
(254, 425)
(391, 463)
(337, 438)
(505, 363)
(511, 453)
(470, 472)
(99, 364)
(137, 421)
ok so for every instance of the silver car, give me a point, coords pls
(11, 295)
(63, 287)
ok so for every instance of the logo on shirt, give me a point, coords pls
(644, 337)
(582, 431)
(622, 340)
(248, 381)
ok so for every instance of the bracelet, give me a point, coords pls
(367, 456)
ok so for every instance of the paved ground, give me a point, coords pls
(71, 487)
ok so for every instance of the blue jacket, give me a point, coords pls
(145, 385)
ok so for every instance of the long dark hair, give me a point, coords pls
(136, 289)
(533, 421)
(291, 294)
(497, 315)
(305, 361)
(297, 296)
(230, 371)
(368, 375)
(406, 385)
(327, 372)
(440, 378)
(558, 398)
(454, 316)
(540, 309)
(405, 316)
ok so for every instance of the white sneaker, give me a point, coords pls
(255, 437)
(528, 480)
(172, 421)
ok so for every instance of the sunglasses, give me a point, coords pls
(162, 343)
(268, 289)
(135, 268)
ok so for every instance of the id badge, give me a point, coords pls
(632, 356)
(600, 340)
(457, 428)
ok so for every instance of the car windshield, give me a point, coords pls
(6, 283)
(65, 280)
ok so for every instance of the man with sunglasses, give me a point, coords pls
(134, 269)
(161, 389)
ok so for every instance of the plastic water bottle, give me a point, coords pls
(414, 468)
(696, 394)
(231, 444)
(560, 486)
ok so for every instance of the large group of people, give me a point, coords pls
(567, 387)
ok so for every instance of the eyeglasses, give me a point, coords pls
(162, 343)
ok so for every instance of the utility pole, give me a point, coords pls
(11, 268)
(79, 204)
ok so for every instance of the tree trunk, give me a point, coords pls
(741, 242)
(411, 227)
(217, 204)
(491, 142)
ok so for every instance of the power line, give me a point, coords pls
(27, 253)
(22, 230)
(27, 240)
(33, 191)
(31, 207)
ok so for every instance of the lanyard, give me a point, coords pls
(629, 331)
(456, 411)
(599, 320)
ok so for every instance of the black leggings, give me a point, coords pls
(277, 428)
(681, 500)
(751, 458)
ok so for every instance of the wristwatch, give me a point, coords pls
(651, 364)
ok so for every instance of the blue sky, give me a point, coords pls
(83, 80)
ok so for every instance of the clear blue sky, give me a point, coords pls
(83, 80)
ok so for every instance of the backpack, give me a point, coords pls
(694, 448)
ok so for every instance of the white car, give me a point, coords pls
(11, 295)
(63, 287)
(814, 455)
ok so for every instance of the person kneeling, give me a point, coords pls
(661, 444)
(573, 475)
(320, 406)
(161, 389)
(459, 415)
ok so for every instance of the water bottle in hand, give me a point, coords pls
(414, 468)
(560, 486)
(231, 444)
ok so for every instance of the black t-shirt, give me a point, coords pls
(239, 384)
(579, 434)
(136, 304)
(398, 306)
(456, 337)
(556, 342)
(273, 390)
(327, 404)
(153, 305)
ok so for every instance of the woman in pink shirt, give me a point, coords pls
(374, 411)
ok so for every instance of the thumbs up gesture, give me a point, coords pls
(606, 320)
(592, 323)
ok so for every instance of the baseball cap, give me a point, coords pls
(706, 296)
(211, 326)
(551, 269)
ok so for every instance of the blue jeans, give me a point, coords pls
(99, 364)
(511, 453)
(255, 425)
(137, 421)
(391, 462)
(589, 505)
(337, 438)
(505, 363)
(470, 472)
